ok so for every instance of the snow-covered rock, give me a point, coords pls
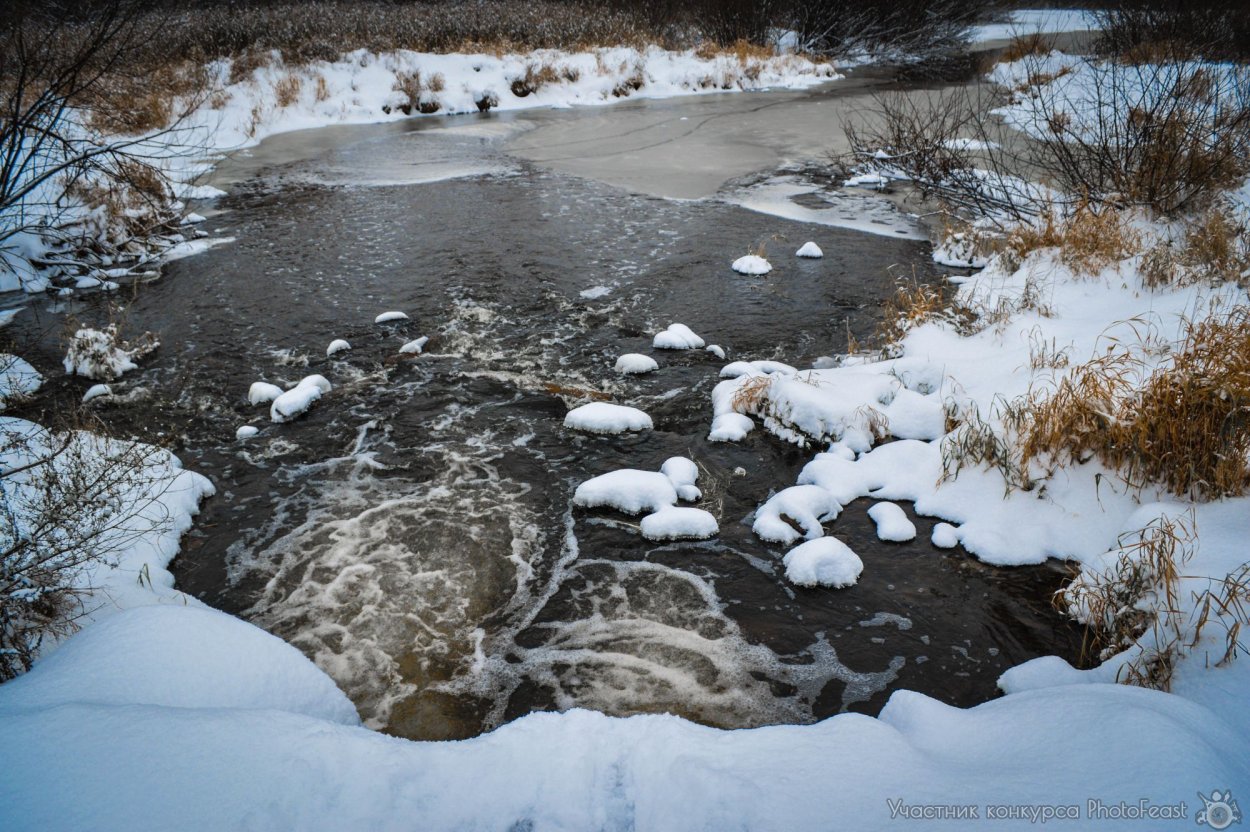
(299, 398)
(945, 536)
(677, 337)
(627, 490)
(414, 346)
(823, 562)
(18, 379)
(892, 523)
(604, 417)
(807, 505)
(810, 249)
(337, 345)
(636, 363)
(673, 523)
(262, 392)
(387, 317)
(752, 264)
(246, 432)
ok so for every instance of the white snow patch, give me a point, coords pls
(824, 562)
(628, 490)
(716, 350)
(752, 264)
(299, 398)
(95, 391)
(810, 249)
(636, 363)
(806, 505)
(246, 432)
(945, 536)
(603, 417)
(262, 392)
(673, 523)
(386, 317)
(677, 337)
(892, 523)
(18, 379)
(415, 346)
(683, 473)
(337, 345)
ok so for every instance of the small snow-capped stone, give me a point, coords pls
(415, 346)
(683, 473)
(95, 391)
(627, 490)
(945, 536)
(752, 264)
(299, 398)
(603, 417)
(246, 432)
(337, 345)
(262, 391)
(672, 523)
(892, 523)
(716, 350)
(825, 561)
(635, 363)
(390, 316)
(807, 505)
(809, 249)
(677, 337)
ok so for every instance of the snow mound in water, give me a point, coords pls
(627, 490)
(752, 264)
(892, 523)
(677, 337)
(945, 536)
(717, 350)
(262, 392)
(672, 523)
(246, 432)
(754, 368)
(337, 345)
(824, 562)
(18, 379)
(683, 474)
(180, 657)
(390, 316)
(414, 346)
(602, 417)
(299, 398)
(730, 427)
(807, 505)
(635, 363)
(810, 249)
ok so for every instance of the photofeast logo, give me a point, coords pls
(1219, 811)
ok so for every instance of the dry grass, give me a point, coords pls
(286, 91)
(912, 304)
(1088, 241)
(752, 395)
(1025, 45)
(1215, 248)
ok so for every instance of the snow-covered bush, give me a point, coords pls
(102, 354)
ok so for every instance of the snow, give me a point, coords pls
(677, 337)
(262, 392)
(299, 398)
(95, 391)
(679, 523)
(337, 345)
(716, 350)
(415, 346)
(246, 432)
(603, 417)
(636, 363)
(892, 523)
(18, 379)
(100, 354)
(387, 317)
(809, 249)
(945, 536)
(683, 474)
(1036, 21)
(806, 505)
(627, 490)
(752, 264)
(737, 369)
(826, 561)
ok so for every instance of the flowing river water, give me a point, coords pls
(414, 534)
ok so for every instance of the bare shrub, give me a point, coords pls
(1147, 30)
(1213, 248)
(286, 91)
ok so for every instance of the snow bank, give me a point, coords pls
(679, 523)
(18, 379)
(628, 490)
(299, 398)
(823, 562)
(809, 249)
(892, 523)
(636, 363)
(602, 417)
(752, 264)
(677, 337)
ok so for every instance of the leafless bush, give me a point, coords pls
(910, 29)
(1147, 30)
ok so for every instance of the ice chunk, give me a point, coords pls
(246, 432)
(892, 523)
(945, 536)
(809, 249)
(752, 264)
(635, 363)
(415, 346)
(602, 417)
(627, 490)
(677, 337)
(390, 316)
(824, 562)
(337, 345)
(807, 505)
(95, 391)
(298, 399)
(261, 392)
(670, 523)
(682, 473)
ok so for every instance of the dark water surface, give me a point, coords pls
(414, 533)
